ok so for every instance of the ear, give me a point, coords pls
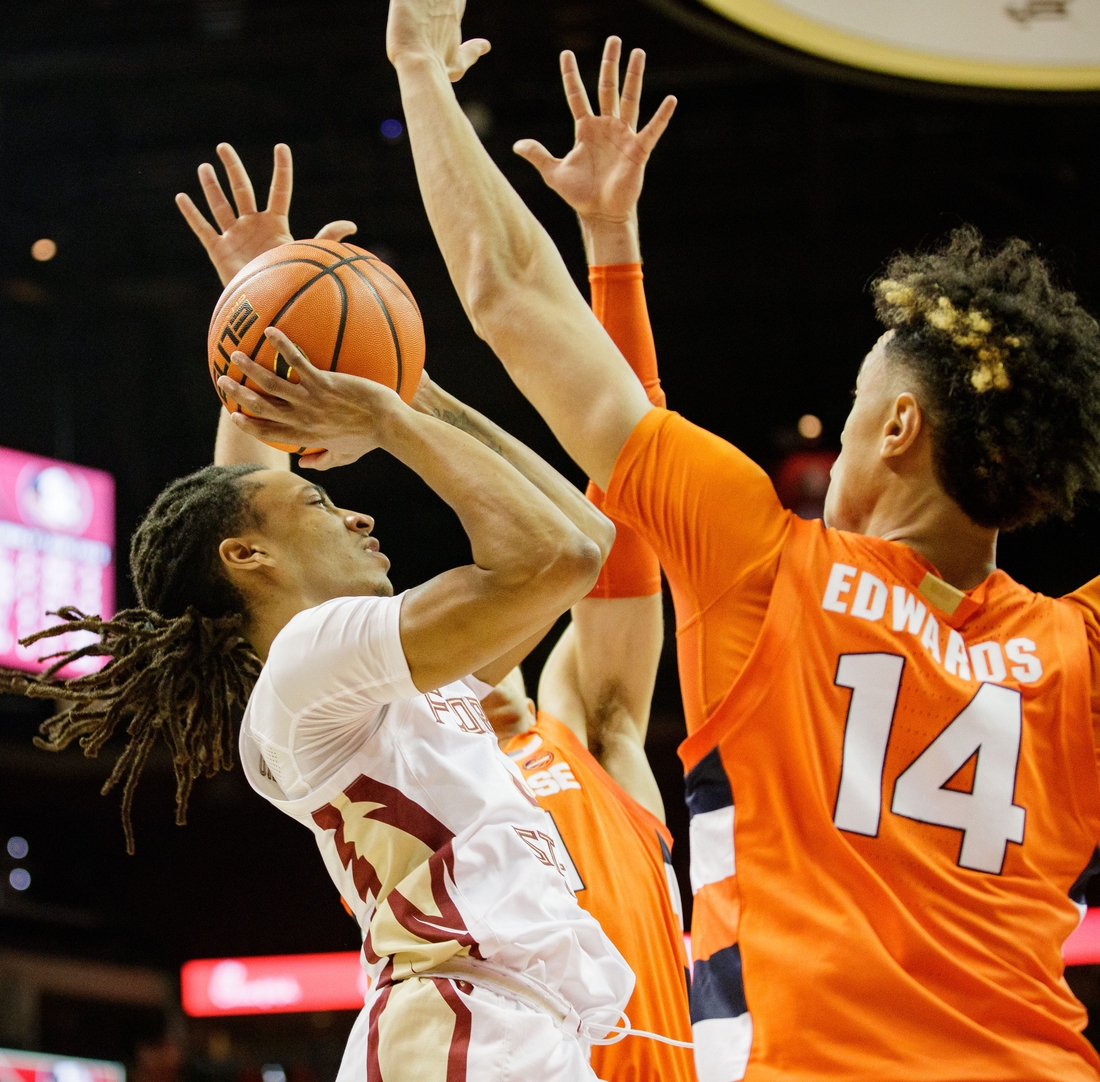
(903, 426)
(239, 555)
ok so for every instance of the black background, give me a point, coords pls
(779, 191)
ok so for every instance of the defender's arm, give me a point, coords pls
(510, 278)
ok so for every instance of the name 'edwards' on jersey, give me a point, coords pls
(915, 797)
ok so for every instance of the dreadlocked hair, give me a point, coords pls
(179, 665)
(1010, 369)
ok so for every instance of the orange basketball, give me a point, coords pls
(343, 307)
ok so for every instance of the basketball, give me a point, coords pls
(342, 306)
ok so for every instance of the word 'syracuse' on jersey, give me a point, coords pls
(428, 831)
(892, 799)
(618, 859)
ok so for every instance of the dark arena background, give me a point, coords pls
(780, 189)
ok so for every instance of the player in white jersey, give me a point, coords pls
(363, 721)
(436, 843)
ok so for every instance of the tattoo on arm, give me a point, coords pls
(461, 420)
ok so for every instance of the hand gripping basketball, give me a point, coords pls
(343, 412)
(343, 307)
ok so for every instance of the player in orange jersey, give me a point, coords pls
(905, 730)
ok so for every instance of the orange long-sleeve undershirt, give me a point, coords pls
(721, 578)
(618, 301)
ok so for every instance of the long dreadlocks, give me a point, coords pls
(179, 664)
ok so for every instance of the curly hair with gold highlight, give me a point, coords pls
(1009, 367)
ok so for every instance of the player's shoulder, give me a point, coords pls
(344, 647)
(327, 624)
(1085, 600)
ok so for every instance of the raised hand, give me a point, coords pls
(601, 177)
(344, 414)
(432, 30)
(246, 231)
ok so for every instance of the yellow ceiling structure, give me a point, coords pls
(1019, 44)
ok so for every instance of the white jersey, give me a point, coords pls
(429, 832)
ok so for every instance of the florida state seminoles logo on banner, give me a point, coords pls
(55, 497)
(57, 539)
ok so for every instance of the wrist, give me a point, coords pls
(385, 415)
(430, 398)
(610, 241)
(420, 60)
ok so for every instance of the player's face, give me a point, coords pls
(319, 549)
(859, 475)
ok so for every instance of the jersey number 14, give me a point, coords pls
(988, 728)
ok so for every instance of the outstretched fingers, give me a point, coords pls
(240, 184)
(632, 88)
(282, 181)
(255, 404)
(531, 150)
(652, 132)
(202, 229)
(466, 56)
(575, 94)
(220, 207)
(263, 430)
(608, 86)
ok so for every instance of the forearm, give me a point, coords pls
(512, 281)
(434, 400)
(233, 447)
(529, 562)
(512, 527)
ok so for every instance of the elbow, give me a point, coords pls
(492, 284)
(489, 300)
(577, 566)
(602, 534)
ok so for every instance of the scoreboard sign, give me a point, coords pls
(1020, 44)
(57, 545)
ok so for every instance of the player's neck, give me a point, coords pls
(265, 620)
(928, 521)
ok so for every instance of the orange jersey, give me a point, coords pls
(893, 801)
(618, 860)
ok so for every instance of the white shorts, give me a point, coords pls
(444, 1029)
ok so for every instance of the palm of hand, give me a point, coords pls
(602, 175)
(248, 237)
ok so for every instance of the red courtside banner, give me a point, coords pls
(275, 984)
(284, 983)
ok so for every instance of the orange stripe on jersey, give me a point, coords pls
(613, 853)
(715, 916)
